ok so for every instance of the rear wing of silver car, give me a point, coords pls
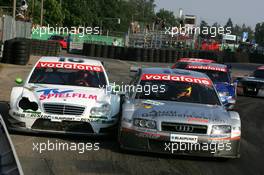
(9, 163)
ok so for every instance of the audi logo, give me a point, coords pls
(184, 128)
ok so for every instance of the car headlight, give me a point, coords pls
(144, 123)
(103, 110)
(26, 104)
(221, 129)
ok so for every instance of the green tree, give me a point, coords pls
(53, 13)
(167, 16)
(259, 33)
(229, 24)
(204, 26)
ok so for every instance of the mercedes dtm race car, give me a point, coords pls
(252, 85)
(181, 115)
(220, 74)
(65, 95)
(9, 163)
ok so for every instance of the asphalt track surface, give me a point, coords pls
(110, 160)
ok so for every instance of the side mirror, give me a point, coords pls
(19, 81)
(133, 71)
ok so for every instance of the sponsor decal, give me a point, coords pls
(193, 117)
(196, 60)
(180, 78)
(183, 138)
(15, 114)
(200, 120)
(69, 66)
(151, 102)
(56, 93)
(214, 68)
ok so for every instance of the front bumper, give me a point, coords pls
(160, 143)
(22, 122)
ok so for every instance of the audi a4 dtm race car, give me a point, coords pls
(220, 74)
(65, 95)
(252, 85)
(182, 115)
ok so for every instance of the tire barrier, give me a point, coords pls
(98, 50)
(104, 51)
(156, 55)
(162, 56)
(144, 55)
(21, 52)
(7, 53)
(168, 55)
(44, 48)
(118, 52)
(152, 55)
(16, 51)
(124, 51)
(111, 52)
(138, 54)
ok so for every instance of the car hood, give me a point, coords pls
(181, 112)
(83, 96)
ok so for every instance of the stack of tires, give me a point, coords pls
(16, 51)
(47, 48)
(21, 51)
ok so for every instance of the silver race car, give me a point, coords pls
(252, 85)
(9, 162)
(179, 112)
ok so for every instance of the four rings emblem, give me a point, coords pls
(184, 128)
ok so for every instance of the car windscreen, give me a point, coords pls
(259, 74)
(180, 92)
(70, 77)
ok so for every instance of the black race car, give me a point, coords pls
(252, 85)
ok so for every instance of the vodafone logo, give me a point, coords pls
(196, 60)
(207, 68)
(188, 79)
(69, 66)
